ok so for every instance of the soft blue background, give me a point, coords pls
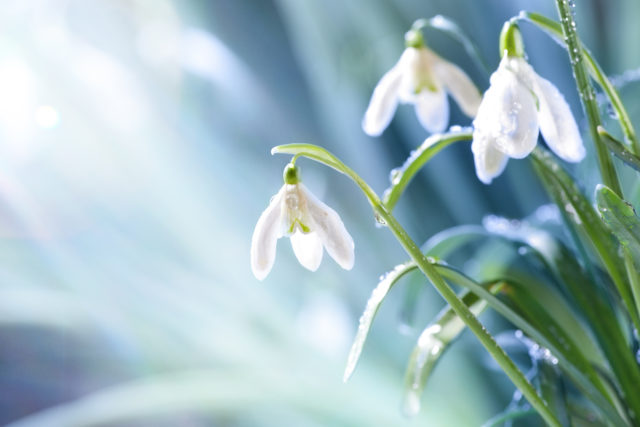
(134, 162)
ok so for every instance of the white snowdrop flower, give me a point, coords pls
(423, 79)
(518, 105)
(296, 213)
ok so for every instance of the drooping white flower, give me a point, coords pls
(296, 213)
(421, 78)
(518, 105)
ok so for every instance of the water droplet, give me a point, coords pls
(571, 210)
(411, 405)
(395, 175)
(380, 222)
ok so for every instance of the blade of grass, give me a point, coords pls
(582, 220)
(400, 177)
(433, 342)
(619, 149)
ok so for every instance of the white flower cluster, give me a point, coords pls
(508, 117)
(517, 106)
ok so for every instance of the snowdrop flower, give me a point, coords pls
(423, 79)
(298, 214)
(517, 106)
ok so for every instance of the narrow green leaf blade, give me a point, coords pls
(400, 177)
(373, 304)
(584, 221)
(619, 149)
(621, 219)
(625, 224)
(432, 343)
(511, 313)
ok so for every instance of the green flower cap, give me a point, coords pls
(414, 38)
(291, 174)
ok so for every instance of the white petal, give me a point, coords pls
(383, 103)
(415, 69)
(331, 230)
(557, 124)
(432, 110)
(488, 160)
(508, 114)
(459, 85)
(308, 249)
(265, 237)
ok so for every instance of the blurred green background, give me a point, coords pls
(134, 163)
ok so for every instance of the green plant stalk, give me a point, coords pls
(412, 249)
(554, 30)
(614, 97)
(467, 316)
(587, 95)
(587, 230)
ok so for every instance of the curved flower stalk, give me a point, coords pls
(421, 78)
(519, 105)
(296, 213)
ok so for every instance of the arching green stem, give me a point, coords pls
(587, 94)
(486, 339)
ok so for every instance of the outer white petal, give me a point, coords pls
(432, 110)
(557, 124)
(459, 85)
(308, 249)
(331, 230)
(383, 103)
(488, 160)
(508, 114)
(265, 237)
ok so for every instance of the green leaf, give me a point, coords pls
(509, 415)
(620, 217)
(619, 149)
(373, 304)
(554, 255)
(625, 224)
(584, 222)
(400, 177)
(439, 246)
(582, 217)
(433, 342)
(552, 389)
(566, 358)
